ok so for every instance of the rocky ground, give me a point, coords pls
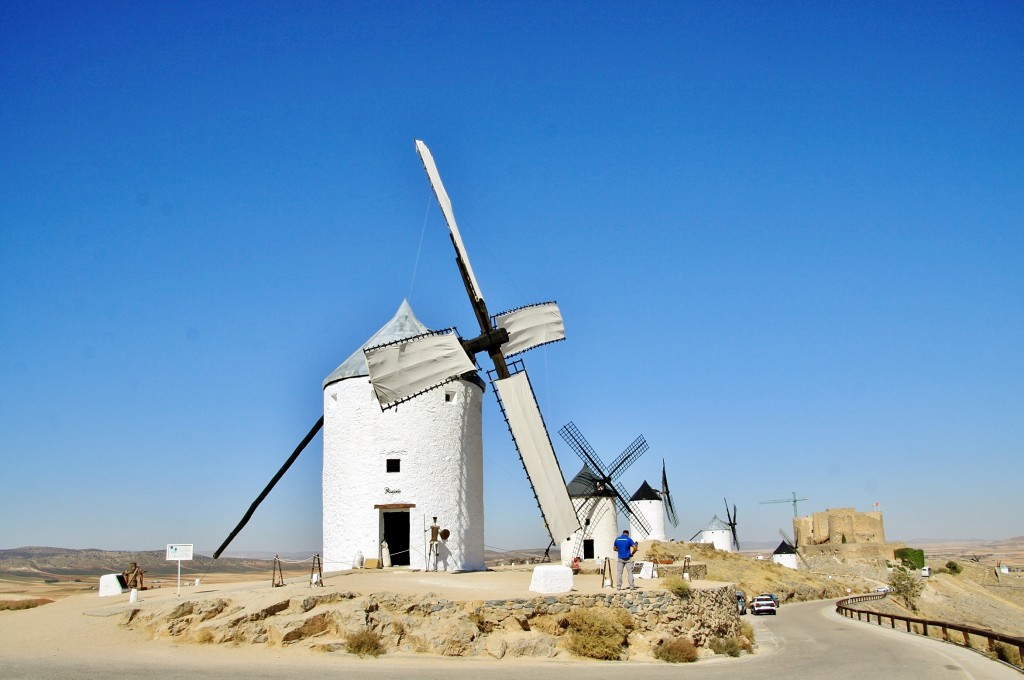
(323, 619)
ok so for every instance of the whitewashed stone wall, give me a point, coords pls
(721, 539)
(438, 439)
(603, 528)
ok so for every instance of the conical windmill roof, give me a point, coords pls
(784, 549)
(646, 492)
(585, 483)
(403, 325)
(716, 525)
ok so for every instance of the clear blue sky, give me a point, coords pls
(788, 242)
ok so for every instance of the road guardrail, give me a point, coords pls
(846, 608)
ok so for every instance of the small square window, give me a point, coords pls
(449, 396)
(394, 465)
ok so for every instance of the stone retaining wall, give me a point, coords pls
(429, 624)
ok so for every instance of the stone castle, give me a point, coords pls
(843, 532)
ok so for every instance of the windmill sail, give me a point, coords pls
(512, 333)
(530, 327)
(731, 521)
(403, 369)
(607, 475)
(666, 497)
(449, 215)
(531, 439)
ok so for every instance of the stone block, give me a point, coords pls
(551, 578)
(112, 584)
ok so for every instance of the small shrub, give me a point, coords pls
(363, 643)
(953, 567)
(905, 587)
(679, 650)
(747, 631)
(675, 584)
(731, 646)
(598, 633)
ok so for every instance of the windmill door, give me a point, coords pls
(396, 533)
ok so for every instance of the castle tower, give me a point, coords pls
(387, 474)
(647, 503)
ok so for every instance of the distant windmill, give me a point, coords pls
(654, 506)
(786, 554)
(599, 481)
(731, 522)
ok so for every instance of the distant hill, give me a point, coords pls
(56, 562)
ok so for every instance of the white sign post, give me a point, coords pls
(179, 552)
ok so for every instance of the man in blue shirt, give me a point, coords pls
(625, 547)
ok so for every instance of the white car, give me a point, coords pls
(762, 604)
(882, 589)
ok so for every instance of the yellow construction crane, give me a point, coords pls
(792, 500)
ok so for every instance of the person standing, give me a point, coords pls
(625, 547)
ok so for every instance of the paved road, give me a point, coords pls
(804, 641)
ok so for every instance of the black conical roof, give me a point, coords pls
(585, 484)
(784, 549)
(646, 493)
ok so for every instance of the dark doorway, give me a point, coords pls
(588, 548)
(396, 533)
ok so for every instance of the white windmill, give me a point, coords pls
(414, 464)
(409, 366)
(598, 498)
(653, 506)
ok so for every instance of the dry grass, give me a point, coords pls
(552, 624)
(1005, 652)
(679, 650)
(364, 643)
(758, 576)
(598, 633)
(675, 584)
(731, 646)
(16, 605)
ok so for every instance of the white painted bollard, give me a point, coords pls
(134, 596)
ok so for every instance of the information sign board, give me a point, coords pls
(179, 551)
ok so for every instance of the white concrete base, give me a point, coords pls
(551, 578)
(110, 584)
